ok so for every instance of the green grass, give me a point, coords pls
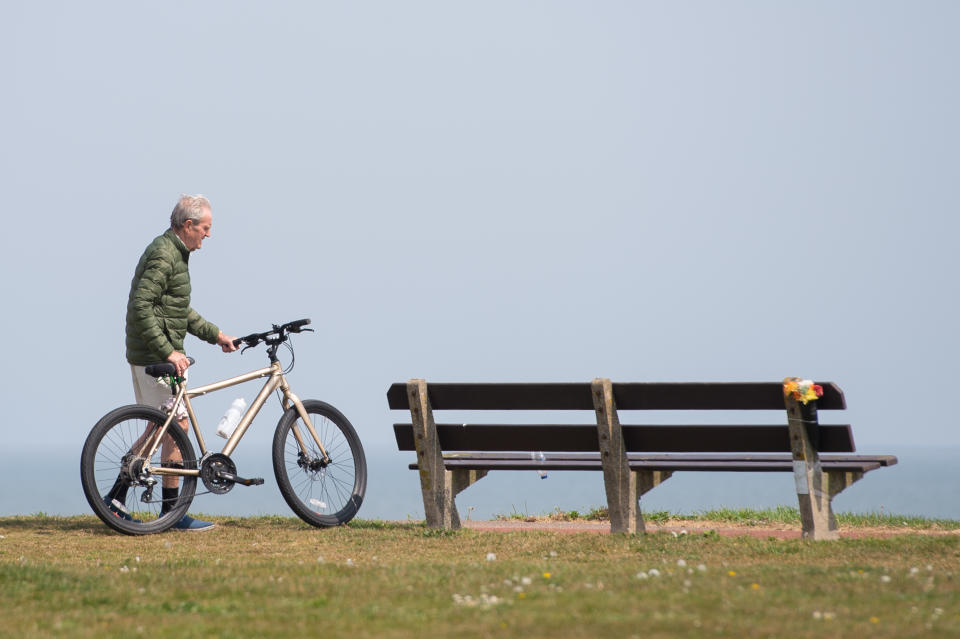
(277, 577)
(756, 517)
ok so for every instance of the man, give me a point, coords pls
(159, 316)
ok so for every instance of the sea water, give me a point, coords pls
(924, 483)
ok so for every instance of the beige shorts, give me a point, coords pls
(149, 391)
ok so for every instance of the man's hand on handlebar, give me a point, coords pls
(275, 336)
(226, 343)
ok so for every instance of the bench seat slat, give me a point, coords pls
(705, 463)
(724, 438)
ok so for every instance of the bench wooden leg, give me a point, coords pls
(436, 483)
(458, 481)
(813, 492)
(647, 480)
(836, 481)
(619, 481)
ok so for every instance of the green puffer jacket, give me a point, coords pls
(158, 311)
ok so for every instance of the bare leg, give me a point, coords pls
(171, 453)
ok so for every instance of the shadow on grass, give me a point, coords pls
(42, 524)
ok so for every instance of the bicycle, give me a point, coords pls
(318, 459)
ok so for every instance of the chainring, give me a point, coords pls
(213, 464)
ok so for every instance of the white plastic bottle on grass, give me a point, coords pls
(228, 423)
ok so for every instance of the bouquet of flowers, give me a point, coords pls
(802, 390)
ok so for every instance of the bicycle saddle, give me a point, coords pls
(164, 368)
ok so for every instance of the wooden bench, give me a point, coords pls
(633, 458)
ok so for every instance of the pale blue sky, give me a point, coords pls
(496, 191)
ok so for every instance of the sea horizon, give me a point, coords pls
(924, 483)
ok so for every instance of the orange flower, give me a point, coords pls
(802, 390)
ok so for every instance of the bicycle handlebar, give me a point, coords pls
(280, 331)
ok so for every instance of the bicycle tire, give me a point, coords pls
(327, 496)
(100, 465)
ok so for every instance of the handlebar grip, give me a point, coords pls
(295, 327)
(251, 339)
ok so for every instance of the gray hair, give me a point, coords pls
(189, 207)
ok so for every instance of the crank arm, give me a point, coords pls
(253, 481)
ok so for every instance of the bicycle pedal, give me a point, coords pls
(253, 481)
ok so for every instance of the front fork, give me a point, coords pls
(288, 398)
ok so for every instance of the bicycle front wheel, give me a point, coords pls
(322, 493)
(123, 495)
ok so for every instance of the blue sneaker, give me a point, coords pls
(188, 523)
(119, 510)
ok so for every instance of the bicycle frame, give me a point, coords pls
(276, 380)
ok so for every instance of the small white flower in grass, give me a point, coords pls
(914, 570)
(518, 588)
(320, 559)
(124, 569)
(553, 553)
(654, 572)
(526, 581)
(681, 563)
(702, 568)
(507, 583)
(817, 615)
(350, 562)
(885, 579)
(642, 575)
(683, 531)
(674, 533)
(491, 556)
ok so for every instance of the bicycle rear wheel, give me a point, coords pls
(321, 494)
(123, 495)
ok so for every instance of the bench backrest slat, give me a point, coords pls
(834, 438)
(628, 396)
